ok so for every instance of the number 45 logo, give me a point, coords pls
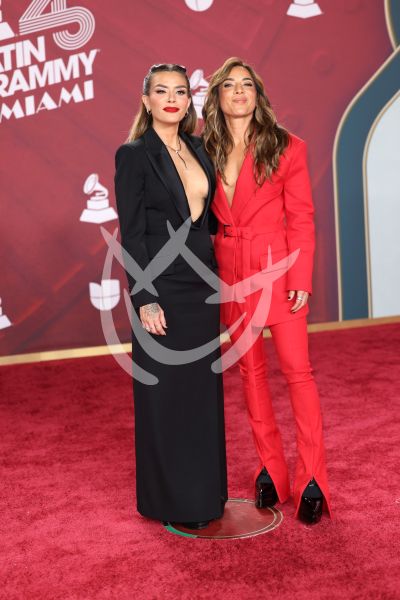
(35, 19)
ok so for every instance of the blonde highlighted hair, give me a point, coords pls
(267, 139)
(143, 120)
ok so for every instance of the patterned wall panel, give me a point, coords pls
(70, 81)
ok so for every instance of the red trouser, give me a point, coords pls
(291, 344)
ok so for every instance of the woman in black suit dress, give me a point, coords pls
(163, 174)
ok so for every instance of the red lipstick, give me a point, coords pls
(171, 109)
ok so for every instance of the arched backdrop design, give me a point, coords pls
(366, 165)
(70, 80)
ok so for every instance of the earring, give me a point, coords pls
(148, 111)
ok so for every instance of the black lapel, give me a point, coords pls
(166, 170)
(198, 150)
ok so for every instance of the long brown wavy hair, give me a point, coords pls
(143, 120)
(268, 139)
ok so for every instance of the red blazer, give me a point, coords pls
(278, 214)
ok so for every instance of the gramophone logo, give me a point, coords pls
(304, 9)
(105, 296)
(198, 87)
(4, 320)
(29, 83)
(98, 208)
(5, 30)
(199, 5)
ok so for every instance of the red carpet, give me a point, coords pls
(68, 525)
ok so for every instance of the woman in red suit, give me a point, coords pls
(264, 209)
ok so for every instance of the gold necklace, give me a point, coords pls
(177, 150)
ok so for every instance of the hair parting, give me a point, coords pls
(265, 136)
(143, 120)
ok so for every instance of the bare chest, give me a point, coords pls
(194, 181)
(232, 172)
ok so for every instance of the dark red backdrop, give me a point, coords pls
(312, 68)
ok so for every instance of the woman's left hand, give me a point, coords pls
(301, 299)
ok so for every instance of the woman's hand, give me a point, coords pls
(153, 319)
(301, 299)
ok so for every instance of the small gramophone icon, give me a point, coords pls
(304, 9)
(197, 82)
(98, 206)
(5, 30)
(4, 320)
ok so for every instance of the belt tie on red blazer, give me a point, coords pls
(243, 237)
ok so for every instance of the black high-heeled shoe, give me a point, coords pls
(312, 499)
(265, 492)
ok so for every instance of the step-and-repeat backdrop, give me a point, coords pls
(71, 73)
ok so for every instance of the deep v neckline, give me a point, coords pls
(230, 206)
(183, 187)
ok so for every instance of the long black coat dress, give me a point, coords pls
(179, 422)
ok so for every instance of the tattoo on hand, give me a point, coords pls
(151, 309)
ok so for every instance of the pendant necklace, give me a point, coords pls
(177, 150)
